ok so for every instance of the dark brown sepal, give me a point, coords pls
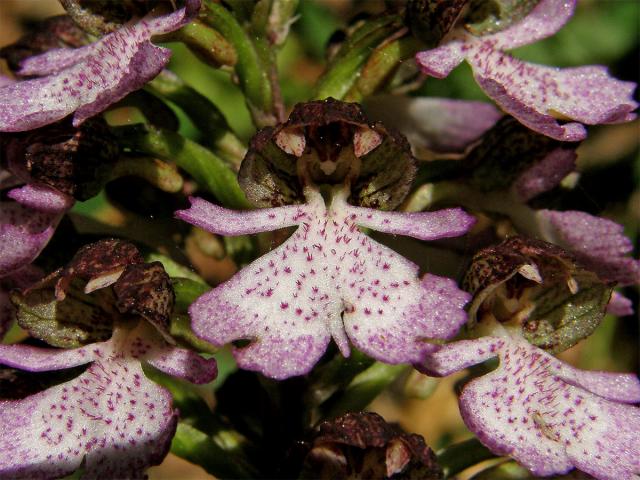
(145, 290)
(75, 161)
(100, 264)
(431, 20)
(363, 446)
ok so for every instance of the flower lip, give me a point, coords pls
(548, 416)
(328, 280)
(111, 419)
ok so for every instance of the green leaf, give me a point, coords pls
(223, 461)
(187, 291)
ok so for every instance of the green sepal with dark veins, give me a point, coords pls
(540, 288)
(490, 16)
(268, 174)
(505, 152)
(79, 319)
(562, 318)
(431, 20)
(328, 142)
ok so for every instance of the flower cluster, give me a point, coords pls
(320, 295)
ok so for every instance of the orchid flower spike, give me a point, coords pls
(548, 416)
(111, 420)
(87, 80)
(536, 95)
(328, 280)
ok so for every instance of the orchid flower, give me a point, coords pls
(111, 420)
(328, 280)
(26, 226)
(536, 95)
(548, 416)
(87, 80)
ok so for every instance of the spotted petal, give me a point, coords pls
(23, 234)
(548, 416)
(328, 280)
(536, 95)
(598, 243)
(88, 79)
(111, 417)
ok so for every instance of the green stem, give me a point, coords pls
(460, 456)
(254, 79)
(207, 43)
(382, 63)
(345, 68)
(364, 388)
(221, 456)
(156, 172)
(202, 164)
(204, 114)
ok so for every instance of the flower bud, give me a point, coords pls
(539, 288)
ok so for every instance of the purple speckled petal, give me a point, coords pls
(544, 20)
(439, 62)
(111, 417)
(184, 364)
(23, 234)
(53, 61)
(619, 387)
(328, 280)
(34, 359)
(536, 95)
(525, 410)
(620, 305)
(42, 198)
(451, 222)
(4, 80)
(597, 242)
(90, 78)
(223, 221)
(546, 174)
(455, 356)
(436, 124)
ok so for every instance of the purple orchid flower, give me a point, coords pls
(111, 417)
(87, 80)
(548, 416)
(535, 95)
(26, 226)
(328, 280)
